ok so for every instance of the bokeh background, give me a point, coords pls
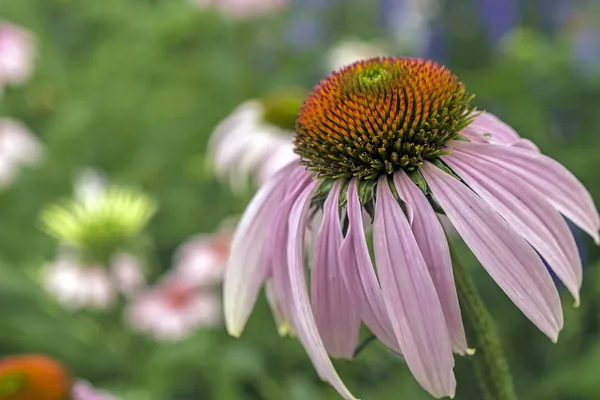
(128, 93)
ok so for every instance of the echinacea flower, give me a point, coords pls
(173, 309)
(202, 259)
(33, 377)
(100, 220)
(398, 138)
(255, 141)
(17, 52)
(77, 285)
(18, 148)
(39, 377)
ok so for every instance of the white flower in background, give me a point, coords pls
(127, 273)
(201, 260)
(83, 390)
(255, 140)
(351, 50)
(17, 52)
(241, 9)
(173, 309)
(18, 147)
(76, 285)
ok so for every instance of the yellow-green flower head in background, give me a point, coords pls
(100, 221)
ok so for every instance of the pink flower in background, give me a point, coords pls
(17, 52)
(173, 309)
(370, 138)
(83, 390)
(78, 286)
(185, 299)
(18, 147)
(243, 8)
(245, 146)
(201, 260)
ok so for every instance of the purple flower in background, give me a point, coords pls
(580, 29)
(410, 23)
(307, 27)
(499, 17)
(371, 140)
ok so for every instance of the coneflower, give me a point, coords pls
(33, 377)
(255, 140)
(398, 139)
(39, 377)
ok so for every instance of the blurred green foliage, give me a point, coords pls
(134, 88)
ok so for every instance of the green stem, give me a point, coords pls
(488, 360)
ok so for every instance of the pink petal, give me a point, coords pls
(509, 260)
(248, 264)
(432, 242)
(550, 178)
(488, 124)
(359, 275)
(411, 298)
(278, 241)
(303, 318)
(338, 324)
(283, 325)
(527, 213)
(527, 145)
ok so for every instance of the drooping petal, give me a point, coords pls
(303, 318)
(337, 322)
(248, 264)
(360, 277)
(283, 324)
(278, 240)
(411, 298)
(527, 212)
(555, 182)
(509, 260)
(432, 242)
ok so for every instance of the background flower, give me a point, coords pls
(173, 309)
(18, 148)
(17, 52)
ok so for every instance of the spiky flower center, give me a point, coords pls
(377, 116)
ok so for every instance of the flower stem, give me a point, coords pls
(488, 360)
